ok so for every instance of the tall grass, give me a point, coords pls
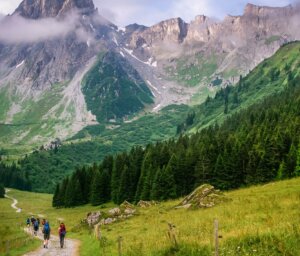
(261, 220)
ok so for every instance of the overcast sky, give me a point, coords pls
(149, 12)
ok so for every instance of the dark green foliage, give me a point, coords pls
(46, 168)
(96, 187)
(113, 89)
(164, 186)
(256, 145)
(14, 177)
(56, 200)
(2, 191)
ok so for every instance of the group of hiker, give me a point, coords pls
(34, 223)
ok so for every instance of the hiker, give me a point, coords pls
(46, 231)
(62, 233)
(28, 222)
(32, 220)
(35, 227)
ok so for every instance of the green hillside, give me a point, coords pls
(113, 89)
(271, 76)
(261, 220)
(27, 129)
(256, 145)
(92, 144)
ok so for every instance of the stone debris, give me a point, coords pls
(125, 211)
(205, 196)
(114, 212)
(146, 204)
(93, 218)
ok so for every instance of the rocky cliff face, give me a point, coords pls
(173, 30)
(237, 44)
(52, 8)
(41, 78)
(41, 71)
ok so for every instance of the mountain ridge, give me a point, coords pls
(53, 8)
(181, 63)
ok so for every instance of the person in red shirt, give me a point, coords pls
(62, 233)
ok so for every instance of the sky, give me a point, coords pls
(150, 12)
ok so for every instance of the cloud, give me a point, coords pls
(8, 6)
(149, 12)
(16, 29)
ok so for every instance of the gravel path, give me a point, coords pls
(15, 201)
(71, 247)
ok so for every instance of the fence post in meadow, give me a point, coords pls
(7, 247)
(120, 239)
(172, 234)
(216, 238)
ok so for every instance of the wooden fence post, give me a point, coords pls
(120, 245)
(216, 238)
(7, 247)
(172, 234)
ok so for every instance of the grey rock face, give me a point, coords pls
(36, 9)
(242, 41)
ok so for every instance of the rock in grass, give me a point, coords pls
(93, 218)
(205, 196)
(146, 204)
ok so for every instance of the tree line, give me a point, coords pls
(13, 177)
(256, 145)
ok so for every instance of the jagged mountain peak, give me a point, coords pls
(36, 9)
(252, 9)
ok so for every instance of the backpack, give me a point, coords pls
(36, 224)
(46, 229)
(63, 230)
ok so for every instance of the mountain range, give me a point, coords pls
(63, 67)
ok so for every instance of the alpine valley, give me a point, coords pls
(132, 133)
(74, 87)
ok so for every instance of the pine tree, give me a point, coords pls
(78, 196)
(124, 189)
(164, 184)
(62, 193)
(55, 200)
(70, 195)
(119, 162)
(96, 189)
(297, 168)
(144, 183)
(2, 191)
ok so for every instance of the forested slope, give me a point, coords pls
(272, 76)
(256, 145)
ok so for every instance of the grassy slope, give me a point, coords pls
(260, 220)
(31, 123)
(113, 89)
(255, 87)
(11, 228)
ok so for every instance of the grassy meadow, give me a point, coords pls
(260, 220)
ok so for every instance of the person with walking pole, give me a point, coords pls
(62, 233)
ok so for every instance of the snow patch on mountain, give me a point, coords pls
(20, 64)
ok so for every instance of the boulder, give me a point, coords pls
(127, 205)
(205, 196)
(114, 212)
(93, 218)
(129, 211)
(108, 221)
(146, 204)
